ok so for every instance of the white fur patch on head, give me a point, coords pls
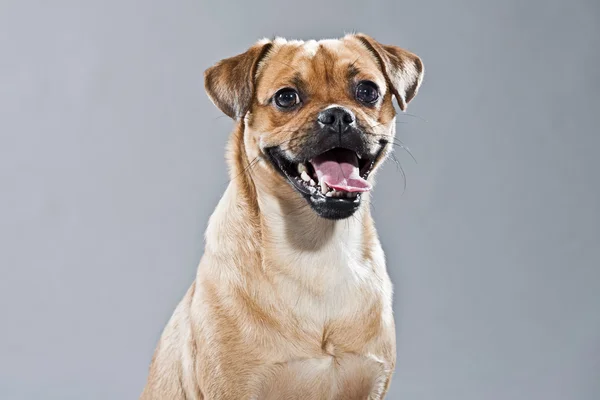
(263, 41)
(330, 42)
(283, 41)
(311, 47)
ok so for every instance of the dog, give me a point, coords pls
(292, 299)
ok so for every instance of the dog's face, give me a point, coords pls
(319, 116)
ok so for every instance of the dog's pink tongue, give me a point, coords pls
(339, 169)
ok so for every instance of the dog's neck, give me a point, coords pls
(287, 235)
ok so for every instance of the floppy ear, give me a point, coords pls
(403, 69)
(230, 82)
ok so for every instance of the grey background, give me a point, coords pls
(111, 161)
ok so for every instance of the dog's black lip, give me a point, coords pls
(375, 158)
(277, 161)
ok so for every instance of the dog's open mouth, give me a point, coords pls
(338, 173)
(333, 179)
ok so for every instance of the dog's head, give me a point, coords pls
(318, 116)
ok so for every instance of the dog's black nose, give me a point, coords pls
(337, 119)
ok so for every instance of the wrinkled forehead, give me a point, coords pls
(315, 66)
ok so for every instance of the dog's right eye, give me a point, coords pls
(287, 98)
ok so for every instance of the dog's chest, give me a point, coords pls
(342, 376)
(331, 295)
(337, 322)
(333, 301)
(335, 282)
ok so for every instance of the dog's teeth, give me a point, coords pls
(324, 187)
(302, 169)
(336, 193)
(312, 182)
(304, 175)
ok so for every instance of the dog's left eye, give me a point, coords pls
(367, 92)
(287, 98)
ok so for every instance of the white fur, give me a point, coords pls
(311, 47)
(337, 265)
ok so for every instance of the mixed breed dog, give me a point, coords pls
(292, 299)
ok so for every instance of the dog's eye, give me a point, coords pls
(287, 98)
(367, 92)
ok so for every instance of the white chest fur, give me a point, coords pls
(320, 267)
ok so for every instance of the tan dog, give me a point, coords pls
(292, 299)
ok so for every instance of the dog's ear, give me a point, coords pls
(403, 70)
(230, 82)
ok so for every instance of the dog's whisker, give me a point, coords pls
(220, 117)
(415, 116)
(372, 205)
(407, 150)
(399, 168)
(394, 141)
(247, 169)
(385, 123)
(362, 222)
